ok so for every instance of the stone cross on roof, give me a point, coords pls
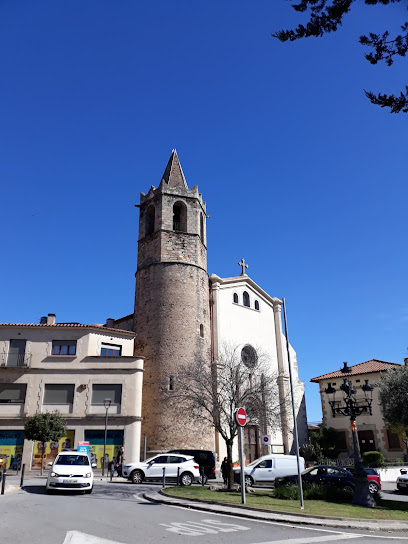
(243, 265)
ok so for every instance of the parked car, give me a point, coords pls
(183, 466)
(374, 480)
(402, 480)
(71, 471)
(205, 459)
(324, 475)
(269, 467)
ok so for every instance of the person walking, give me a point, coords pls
(119, 461)
(225, 471)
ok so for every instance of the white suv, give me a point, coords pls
(183, 467)
(71, 471)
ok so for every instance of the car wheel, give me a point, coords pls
(136, 477)
(88, 491)
(186, 479)
(249, 482)
(373, 487)
(49, 491)
(348, 488)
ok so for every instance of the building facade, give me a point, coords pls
(72, 369)
(245, 316)
(373, 434)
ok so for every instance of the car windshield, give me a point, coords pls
(81, 460)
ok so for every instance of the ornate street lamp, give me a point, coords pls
(353, 407)
(106, 403)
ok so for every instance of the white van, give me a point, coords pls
(267, 468)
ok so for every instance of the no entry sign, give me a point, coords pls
(241, 417)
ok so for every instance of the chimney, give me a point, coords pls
(51, 319)
(110, 323)
(43, 321)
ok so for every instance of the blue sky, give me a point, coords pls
(302, 176)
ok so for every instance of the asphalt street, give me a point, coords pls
(118, 513)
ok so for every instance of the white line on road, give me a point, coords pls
(314, 539)
(75, 537)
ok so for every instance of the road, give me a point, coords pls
(117, 513)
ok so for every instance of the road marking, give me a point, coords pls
(312, 540)
(75, 537)
(293, 524)
(206, 526)
(140, 497)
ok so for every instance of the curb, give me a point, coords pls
(300, 519)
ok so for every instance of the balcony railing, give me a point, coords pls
(15, 360)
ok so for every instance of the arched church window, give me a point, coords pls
(235, 298)
(249, 356)
(180, 217)
(202, 331)
(149, 220)
(256, 305)
(246, 299)
(201, 227)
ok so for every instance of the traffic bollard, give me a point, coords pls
(178, 476)
(22, 475)
(164, 476)
(3, 482)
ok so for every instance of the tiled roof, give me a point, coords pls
(68, 326)
(362, 368)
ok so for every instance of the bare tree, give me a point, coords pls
(241, 376)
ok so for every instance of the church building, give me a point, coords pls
(182, 314)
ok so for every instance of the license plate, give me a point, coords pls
(403, 484)
(69, 481)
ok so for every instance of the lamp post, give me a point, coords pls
(106, 403)
(353, 407)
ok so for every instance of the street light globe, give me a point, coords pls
(107, 403)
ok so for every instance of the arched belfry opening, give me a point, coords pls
(180, 217)
(202, 227)
(150, 220)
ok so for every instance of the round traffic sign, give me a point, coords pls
(241, 416)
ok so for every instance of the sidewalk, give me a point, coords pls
(300, 519)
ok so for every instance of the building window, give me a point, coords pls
(103, 391)
(58, 393)
(235, 298)
(393, 440)
(16, 354)
(180, 217)
(249, 356)
(64, 347)
(256, 305)
(171, 383)
(202, 331)
(12, 393)
(150, 220)
(246, 299)
(111, 350)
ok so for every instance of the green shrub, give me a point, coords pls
(314, 492)
(373, 459)
(290, 493)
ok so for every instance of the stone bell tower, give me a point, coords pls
(171, 317)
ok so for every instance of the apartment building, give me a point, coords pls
(70, 368)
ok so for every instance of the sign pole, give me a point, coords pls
(240, 418)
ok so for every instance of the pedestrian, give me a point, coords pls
(119, 461)
(225, 470)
